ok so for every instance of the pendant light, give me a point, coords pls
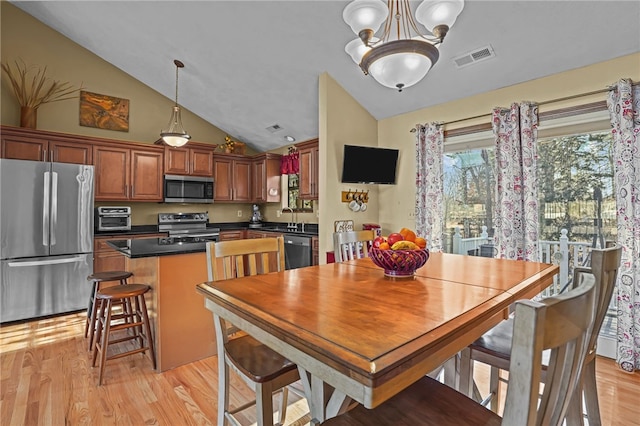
(402, 55)
(175, 135)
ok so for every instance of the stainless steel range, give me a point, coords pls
(186, 228)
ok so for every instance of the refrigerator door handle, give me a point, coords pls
(54, 206)
(45, 209)
(55, 261)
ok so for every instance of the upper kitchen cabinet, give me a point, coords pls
(191, 160)
(308, 152)
(125, 173)
(36, 145)
(232, 178)
(265, 183)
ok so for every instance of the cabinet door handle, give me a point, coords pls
(44, 155)
(133, 190)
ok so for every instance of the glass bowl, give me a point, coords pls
(399, 263)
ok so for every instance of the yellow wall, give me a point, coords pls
(342, 121)
(394, 132)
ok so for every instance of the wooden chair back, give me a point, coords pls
(352, 244)
(239, 258)
(561, 324)
(604, 268)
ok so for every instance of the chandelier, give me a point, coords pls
(402, 55)
(175, 135)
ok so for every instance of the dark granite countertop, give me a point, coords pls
(152, 247)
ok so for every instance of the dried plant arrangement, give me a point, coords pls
(31, 92)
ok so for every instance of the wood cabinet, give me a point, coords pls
(232, 178)
(192, 160)
(265, 182)
(106, 258)
(308, 152)
(28, 144)
(128, 174)
(232, 235)
(315, 251)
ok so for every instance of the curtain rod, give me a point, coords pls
(551, 101)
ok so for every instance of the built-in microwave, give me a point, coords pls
(188, 189)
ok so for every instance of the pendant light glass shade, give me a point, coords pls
(356, 49)
(402, 55)
(175, 135)
(365, 14)
(401, 64)
(432, 13)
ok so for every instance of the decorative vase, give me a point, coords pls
(28, 117)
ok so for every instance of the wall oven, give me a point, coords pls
(188, 189)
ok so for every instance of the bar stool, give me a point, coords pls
(96, 279)
(136, 320)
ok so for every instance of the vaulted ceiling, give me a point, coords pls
(252, 64)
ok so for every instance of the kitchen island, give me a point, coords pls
(182, 327)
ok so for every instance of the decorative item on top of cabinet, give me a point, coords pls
(37, 145)
(308, 169)
(265, 183)
(232, 178)
(195, 159)
(128, 172)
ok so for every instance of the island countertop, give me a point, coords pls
(151, 247)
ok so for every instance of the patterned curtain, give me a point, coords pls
(429, 186)
(516, 215)
(624, 109)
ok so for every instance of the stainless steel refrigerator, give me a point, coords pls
(46, 238)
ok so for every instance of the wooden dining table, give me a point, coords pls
(357, 335)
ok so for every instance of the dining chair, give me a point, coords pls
(352, 244)
(260, 367)
(494, 347)
(429, 402)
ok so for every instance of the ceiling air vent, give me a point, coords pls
(477, 55)
(274, 128)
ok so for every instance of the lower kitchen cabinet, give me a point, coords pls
(232, 235)
(315, 251)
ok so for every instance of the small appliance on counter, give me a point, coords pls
(113, 218)
(256, 218)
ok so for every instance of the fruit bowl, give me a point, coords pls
(399, 263)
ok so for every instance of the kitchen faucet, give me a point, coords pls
(292, 224)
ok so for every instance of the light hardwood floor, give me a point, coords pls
(46, 378)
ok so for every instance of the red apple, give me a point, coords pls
(394, 238)
(378, 240)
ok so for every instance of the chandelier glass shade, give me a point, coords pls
(175, 135)
(402, 55)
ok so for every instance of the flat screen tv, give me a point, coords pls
(367, 164)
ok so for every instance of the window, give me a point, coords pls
(576, 192)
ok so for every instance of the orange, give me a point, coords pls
(420, 242)
(408, 234)
(384, 246)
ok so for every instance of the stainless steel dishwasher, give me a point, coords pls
(297, 251)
